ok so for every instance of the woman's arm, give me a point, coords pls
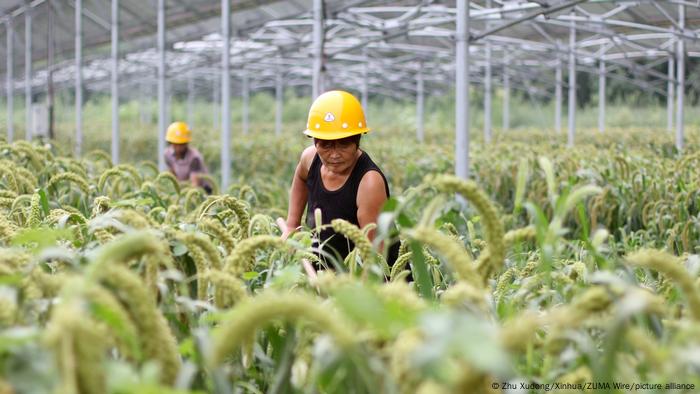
(371, 195)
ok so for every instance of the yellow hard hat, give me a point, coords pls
(178, 133)
(335, 115)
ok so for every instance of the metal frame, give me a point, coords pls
(373, 47)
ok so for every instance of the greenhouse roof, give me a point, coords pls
(395, 39)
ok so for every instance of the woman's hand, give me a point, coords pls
(285, 228)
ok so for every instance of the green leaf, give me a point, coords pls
(420, 272)
(521, 181)
(390, 205)
(41, 237)
(362, 304)
(250, 275)
(44, 201)
(405, 221)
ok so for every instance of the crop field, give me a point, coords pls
(554, 269)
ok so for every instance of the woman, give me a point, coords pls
(335, 175)
(184, 161)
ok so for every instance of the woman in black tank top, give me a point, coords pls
(335, 175)
(338, 204)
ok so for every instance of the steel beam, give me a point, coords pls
(487, 94)
(28, 72)
(420, 133)
(601, 96)
(225, 93)
(190, 99)
(318, 43)
(558, 96)
(216, 103)
(365, 81)
(462, 91)
(10, 79)
(161, 85)
(572, 83)
(115, 81)
(670, 93)
(506, 93)
(279, 98)
(246, 102)
(680, 91)
(78, 78)
(50, 49)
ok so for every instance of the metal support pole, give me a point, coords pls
(246, 103)
(670, 93)
(143, 104)
(225, 93)
(168, 101)
(318, 36)
(10, 79)
(190, 99)
(680, 91)
(558, 96)
(601, 96)
(215, 104)
(28, 72)
(572, 83)
(50, 33)
(506, 93)
(462, 91)
(487, 95)
(161, 85)
(115, 81)
(420, 133)
(78, 78)
(365, 82)
(279, 97)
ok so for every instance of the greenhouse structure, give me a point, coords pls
(349, 196)
(397, 49)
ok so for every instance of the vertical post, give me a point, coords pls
(318, 36)
(572, 82)
(49, 67)
(115, 81)
(680, 91)
(670, 94)
(161, 85)
(487, 94)
(28, 71)
(601, 96)
(168, 101)
(420, 134)
(279, 97)
(78, 77)
(506, 92)
(225, 93)
(143, 103)
(462, 91)
(216, 99)
(246, 102)
(10, 79)
(190, 99)
(558, 94)
(365, 82)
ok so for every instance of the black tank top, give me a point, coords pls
(339, 204)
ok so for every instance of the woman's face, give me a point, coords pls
(337, 155)
(180, 149)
